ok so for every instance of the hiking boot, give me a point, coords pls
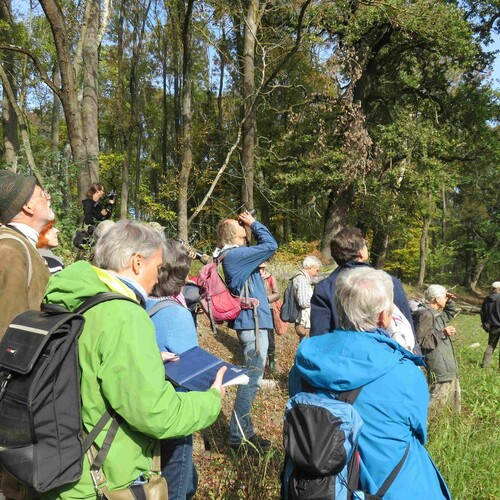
(260, 443)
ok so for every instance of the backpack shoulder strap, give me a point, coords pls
(390, 478)
(102, 297)
(5, 236)
(349, 396)
(162, 304)
(344, 396)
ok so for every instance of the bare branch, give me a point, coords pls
(38, 65)
(199, 208)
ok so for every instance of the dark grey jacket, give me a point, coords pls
(490, 312)
(436, 346)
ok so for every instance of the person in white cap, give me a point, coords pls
(490, 320)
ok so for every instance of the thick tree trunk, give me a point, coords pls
(336, 216)
(249, 124)
(90, 112)
(475, 274)
(187, 148)
(68, 93)
(378, 252)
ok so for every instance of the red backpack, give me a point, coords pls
(217, 302)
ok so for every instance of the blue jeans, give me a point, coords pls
(254, 363)
(178, 467)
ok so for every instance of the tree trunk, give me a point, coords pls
(68, 93)
(22, 123)
(249, 124)
(90, 114)
(122, 114)
(187, 148)
(379, 247)
(55, 125)
(9, 117)
(336, 216)
(423, 251)
(475, 274)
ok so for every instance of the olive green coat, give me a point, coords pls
(436, 346)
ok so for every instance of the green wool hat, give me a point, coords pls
(15, 191)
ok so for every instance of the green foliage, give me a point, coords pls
(295, 251)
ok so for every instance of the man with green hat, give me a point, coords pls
(24, 211)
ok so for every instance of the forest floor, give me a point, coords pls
(223, 474)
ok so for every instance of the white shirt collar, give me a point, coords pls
(218, 251)
(28, 231)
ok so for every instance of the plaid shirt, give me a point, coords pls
(303, 290)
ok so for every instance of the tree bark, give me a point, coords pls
(379, 248)
(423, 250)
(68, 92)
(249, 124)
(122, 114)
(90, 111)
(55, 118)
(187, 147)
(336, 216)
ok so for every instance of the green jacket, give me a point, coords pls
(121, 366)
(436, 347)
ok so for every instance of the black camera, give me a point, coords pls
(111, 196)
(189, 248)
(252, 212)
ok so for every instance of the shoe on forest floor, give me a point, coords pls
(253, 444)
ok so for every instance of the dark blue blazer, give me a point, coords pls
(324, 318)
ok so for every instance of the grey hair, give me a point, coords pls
(101, 228)
(433, 292)
(311, 261)
(126, 238)
(360, 296)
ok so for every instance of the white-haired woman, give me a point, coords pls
(394, 397)
(303, 293)
(434, 337)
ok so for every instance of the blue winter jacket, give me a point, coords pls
(324, 318)
(393, 405)
(241, 264)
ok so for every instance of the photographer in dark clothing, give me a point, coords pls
(94, 211)
(490, 320)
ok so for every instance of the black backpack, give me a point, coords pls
(290, 308)
(41, 436)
